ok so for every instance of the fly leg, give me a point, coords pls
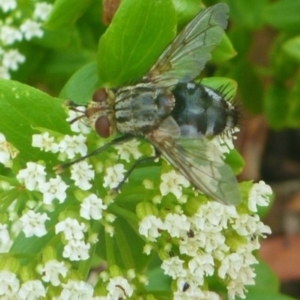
(137, 163)
(61, 167)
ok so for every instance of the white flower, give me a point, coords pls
(230, 265)
(33, 223)
(71, 229)
(82, 173)
(31, 29)
(125, 150)
(247, 225)
(92, 207)
(55, 188)
(110, 218)
(71, 145)
(45, 142)
(11, 59)
(78, 126)
(109, 229)
(32, 176)
(9, 285)
(4, 150)
(5, 241)
(173, 267)
(119, 288)
(4, 74)
(214, 216)
(9, 35)
(42, 10)
(259, 195)
(236, 288)
(52, 270)
(32, 289)
(7, 5)
(76, 290)
(194, 293)
(76, 250)
(238, 265)
(213, 241)
(176, 225)
(148, 184)
(172, 182)
(114, 175)
(150, 227)
(147, 249)
(189, 246)
(200, 266)
(225, 142)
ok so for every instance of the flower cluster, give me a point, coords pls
(216, 239)
(17, 26)
(75, 214)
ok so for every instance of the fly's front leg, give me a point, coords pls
(61, 167)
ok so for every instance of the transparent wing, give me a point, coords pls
(186, 56)
(193, 158)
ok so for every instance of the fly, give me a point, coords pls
(174, 114)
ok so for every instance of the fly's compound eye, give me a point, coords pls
(102, 126)
(100, 95)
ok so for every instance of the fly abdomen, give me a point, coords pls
(202, 111)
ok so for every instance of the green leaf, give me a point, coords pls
(224, 51)
(65, 12)
(241, 38)
(158, 280)
(292, 47)
(250, 86)
(255, 295)
(266, 279)
(266, 284)
(247, 14)
(275, 106)
(227, 85)
(128, 250)
(23, 108)
(235, 160)
(81, 85)
(284, 14)
(282, 65)
(55, 39)
(293, 117)
(186, 10)
(132, 44)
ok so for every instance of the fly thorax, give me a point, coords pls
(141, 108)
(200, 110)
(99, 112)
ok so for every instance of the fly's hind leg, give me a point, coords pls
(140, 161)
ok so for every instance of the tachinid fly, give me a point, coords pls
(173, 113)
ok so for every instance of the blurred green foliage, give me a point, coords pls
(265, 35)
(70, 62)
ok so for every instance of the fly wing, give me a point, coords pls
(186, 56)
(194, 159)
